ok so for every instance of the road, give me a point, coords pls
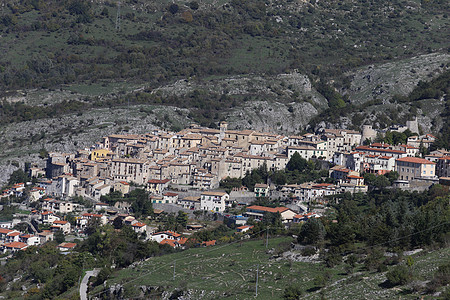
(84, 283)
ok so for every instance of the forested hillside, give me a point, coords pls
(46, 43)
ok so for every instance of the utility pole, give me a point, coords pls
(267, 236)
(257, 273)
(174, 264)
(118, 16)
(128, 109)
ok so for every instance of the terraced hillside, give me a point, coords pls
(229, 272)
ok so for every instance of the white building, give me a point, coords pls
(214, 201)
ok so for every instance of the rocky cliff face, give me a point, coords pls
(283, 103)
(399, 77)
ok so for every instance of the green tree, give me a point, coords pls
(398, 276)
(198, 213)
(392, 176)
(296, 163)
(312, 232)
(59, 237)
(103, 275)
(141, 204)
(193, 5)
(18, 176)
(335, 100)
(173, 8)
(321, 280)
(229, 183)
(43, 153)
(182, 218)
(376, 181)
(292, 293)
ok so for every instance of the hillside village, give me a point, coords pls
(182, 172)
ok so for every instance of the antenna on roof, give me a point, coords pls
(118, 16)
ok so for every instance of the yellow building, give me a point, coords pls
(100, 154)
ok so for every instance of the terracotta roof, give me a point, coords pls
(354, 176)
(268, 209)
(5, 231)
(366, 148)
(138, 224)
(157, 181)
(214, 193)
(182, 241)
(60, 222)
(16, 245)
(169, 194)
(244, 227)
(92, 215)
(209, 243)
(416, 160)
(322, 185)
(380, 145)
(67, 245)
(307, 215)
(171, 243)
(168, 232)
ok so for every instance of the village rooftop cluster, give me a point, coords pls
(182, 171)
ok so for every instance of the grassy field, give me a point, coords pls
(229, 272)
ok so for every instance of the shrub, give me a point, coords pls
(398, 276)
(173, 8)
(308, 251)
(292, 293)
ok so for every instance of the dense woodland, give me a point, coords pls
(158, 43)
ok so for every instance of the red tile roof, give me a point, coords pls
(366, 148)
(169, 194)
(244, 227)
(268, 209)
(157, 181)
(307, 215)
(92, 215)
(416, 160)
(209, 243)
(168, 232)
(60, 222)
(380, 145)
(67, 245)
(16, 245)
(171, 243)
(354, 176)
(182, 241)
